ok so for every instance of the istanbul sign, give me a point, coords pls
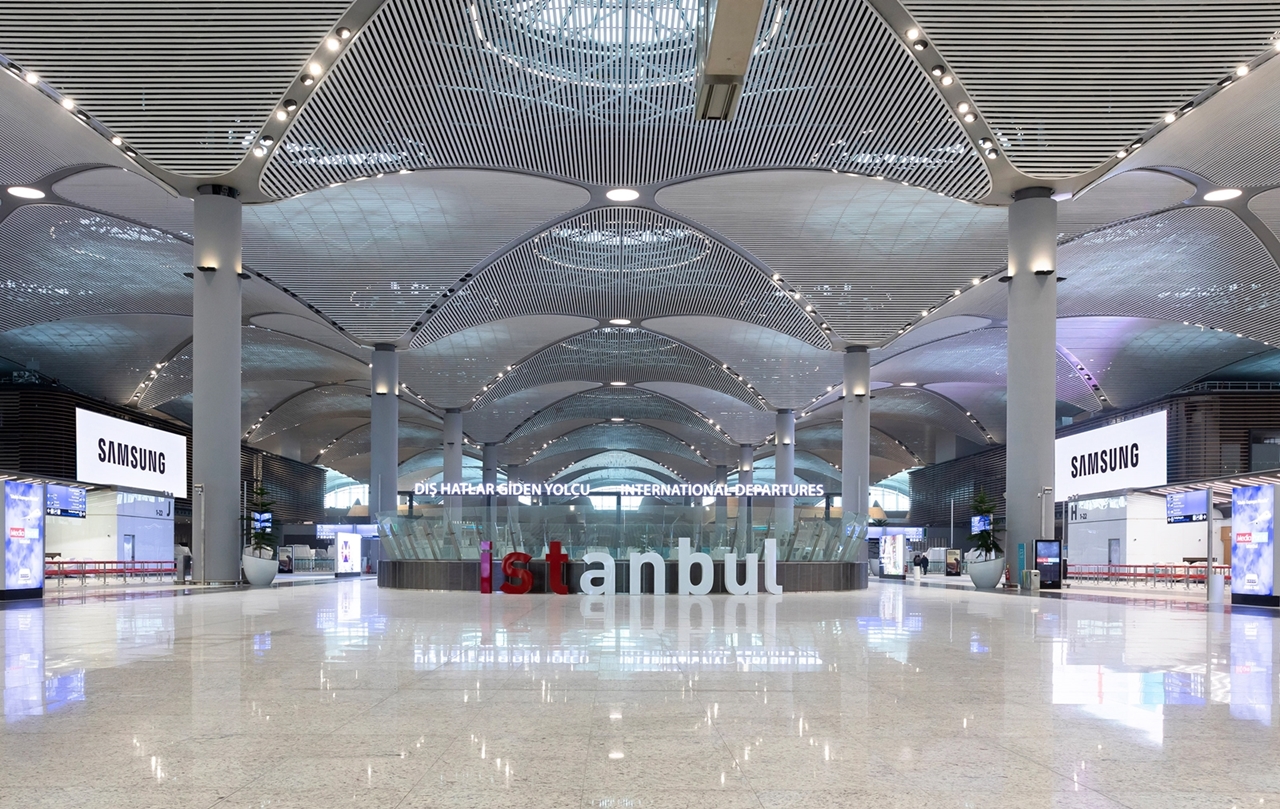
(422, 487)
(602, 580)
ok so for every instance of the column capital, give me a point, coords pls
(384, 347)
(1034, 192)
(218, 191)
(855, 349)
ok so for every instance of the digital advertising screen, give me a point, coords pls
(980, 523)
(1186, 506)
(65, 501)
(892, 553)
(1252, 540)
(346, 554)
(24, 506)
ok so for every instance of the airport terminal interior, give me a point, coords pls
(640, 403)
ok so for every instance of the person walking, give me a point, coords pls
(924, 564)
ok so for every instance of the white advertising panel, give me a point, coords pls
(115, 452)
(1129, 455)
(347, 554)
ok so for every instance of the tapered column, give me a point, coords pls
(384, 443)
(722, 504)
(1033, 256)
(785, 471)
(453, 457)
(215, 387)
(855, 446)
(489, 476)
(746, 475)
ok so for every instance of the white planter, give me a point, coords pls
(260, 572)
(986, 575)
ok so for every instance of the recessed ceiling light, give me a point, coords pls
(115, 141)
(620, 321)
(947, 81)
(1170, 117)
(963, 107)
(344, 33)
(617, 418)
(32, 78)
(618, 384)
(1243, 70)
(68, 104)
(913, 34)
(333, 43)
(936, 71)
(919, 44)
(259, 151)
(1222, 194)
(281, 115)
(969, 117)
(315, 68)
(623, 194)
(26, 193)
(907, 384)
(924, 313)
(308, 80)
(977, 281)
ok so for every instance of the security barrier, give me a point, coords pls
(1168, 575)
(59, 571)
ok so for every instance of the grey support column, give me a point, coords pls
(855, 448)
(215, 408)
(384, 441)
(722, 506)
(746, 475)
(489, 463)
(452, 457)
(1033, 257)
(785, 472)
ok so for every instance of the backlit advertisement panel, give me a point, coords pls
(892, 551)
(24, 506)
(1252, 540)
(1130, 455)
(347, 554)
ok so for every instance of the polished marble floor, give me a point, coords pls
(341, 694)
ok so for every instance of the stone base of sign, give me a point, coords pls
(795, 577)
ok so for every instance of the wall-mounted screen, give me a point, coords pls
(981, 522)
(892, 555)
(1187, 506)
(65, 501)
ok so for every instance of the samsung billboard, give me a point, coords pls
(1129, 455)
(115, 452)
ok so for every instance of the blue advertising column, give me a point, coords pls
(23, 540)
(1253, 551)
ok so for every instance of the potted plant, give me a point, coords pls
(258, 557)
(986, 574)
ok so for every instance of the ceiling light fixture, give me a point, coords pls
(333, 43)
(947, 81)
(977, 281)
(623, 194)
(620, 321)
(281, 115)
(1222, 194)
(315, 69)
(992, 154)
(290, 104)
(68, 104)
(308, 80)
(913, 34)
(907, 384)
(937, 70)
(617, 418)
(344, 33)
(1243, 70)
(963, 107)
(32, 78)
(115, 141)
(969, 117)
(24, 192)
(259, 151)
(618, 384)
(919, 45)
(1170, 117)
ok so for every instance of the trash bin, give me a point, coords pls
(1031, 580)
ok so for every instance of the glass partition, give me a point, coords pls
(445, 531)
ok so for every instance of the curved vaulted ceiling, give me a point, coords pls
(440, 183)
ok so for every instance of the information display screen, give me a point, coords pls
(1187, 506)
(65, 501)
(1049, 562)
(980, 523)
